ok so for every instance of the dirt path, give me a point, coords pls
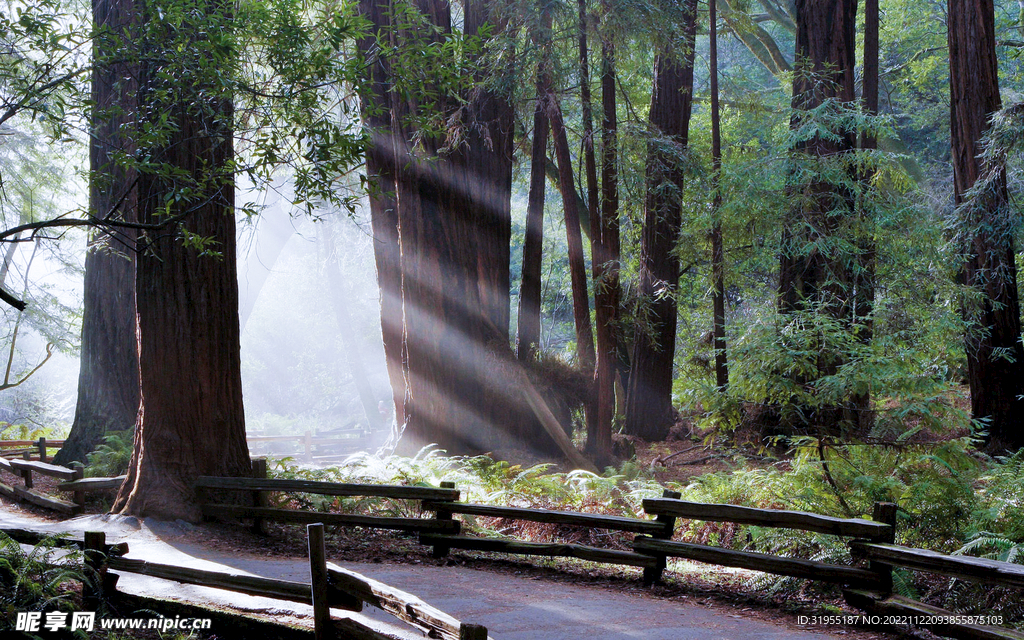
(511, 607)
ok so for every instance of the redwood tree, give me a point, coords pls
(191, 423)
(451, 224)
(108, 380)
(995, 358)
(649, 400)
(605, 256)
(813, 276)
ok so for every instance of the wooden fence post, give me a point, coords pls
(259, 498)
(884, 512)
(322, 629)
(41, 445)
(94, 552)
(441, 551)
(469, 631)
(653, 574)
(26, 474)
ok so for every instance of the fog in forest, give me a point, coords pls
(302, 330)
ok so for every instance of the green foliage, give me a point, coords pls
(37, 580)
(480, 479)
(111, 458)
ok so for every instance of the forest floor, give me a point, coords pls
(723, 594)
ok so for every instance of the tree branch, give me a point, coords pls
(12, 301)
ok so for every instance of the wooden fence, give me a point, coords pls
(866, 587)
(329, 586)
(37, 448)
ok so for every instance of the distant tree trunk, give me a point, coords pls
(574, 240)
(864, 277)
(825, 51)
(533, 244)
(717, 250)
(606, 259)
(995, 358)
(810, 278)
(382, 161)
(599, 433)
(108, 379)
(649, 400)
(191, 423)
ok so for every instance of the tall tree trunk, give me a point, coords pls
(864, 278)
(382, 162)
(649, 400)
(108, 379)
(533, 244)
(814, 279)
(995, 358)
(191, 423)
(825, 48)
(605, 255)
(599, 434)
(717, 250)
(574, 241)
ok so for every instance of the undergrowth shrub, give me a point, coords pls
(42, 579)
(111, 458)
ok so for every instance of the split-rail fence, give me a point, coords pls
(871, 541)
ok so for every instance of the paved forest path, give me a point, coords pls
(511, 607)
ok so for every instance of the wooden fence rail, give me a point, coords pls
(260, 486)
(18, 448)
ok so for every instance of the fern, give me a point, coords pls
(112, 457)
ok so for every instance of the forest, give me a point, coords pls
(580, 234)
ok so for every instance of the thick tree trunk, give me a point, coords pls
(108, 379)
(825, 50)
(454, 225)
(382, 161)
(191, 423)
(487, 177)
(649, 400)
(995, 358)
(813, 279)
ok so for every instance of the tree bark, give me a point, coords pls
(605, 254)
(191, 423)
(382, 161)
(649, 400)
(533, 244)
(108, 379)
(574, 240)
(995, 358)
